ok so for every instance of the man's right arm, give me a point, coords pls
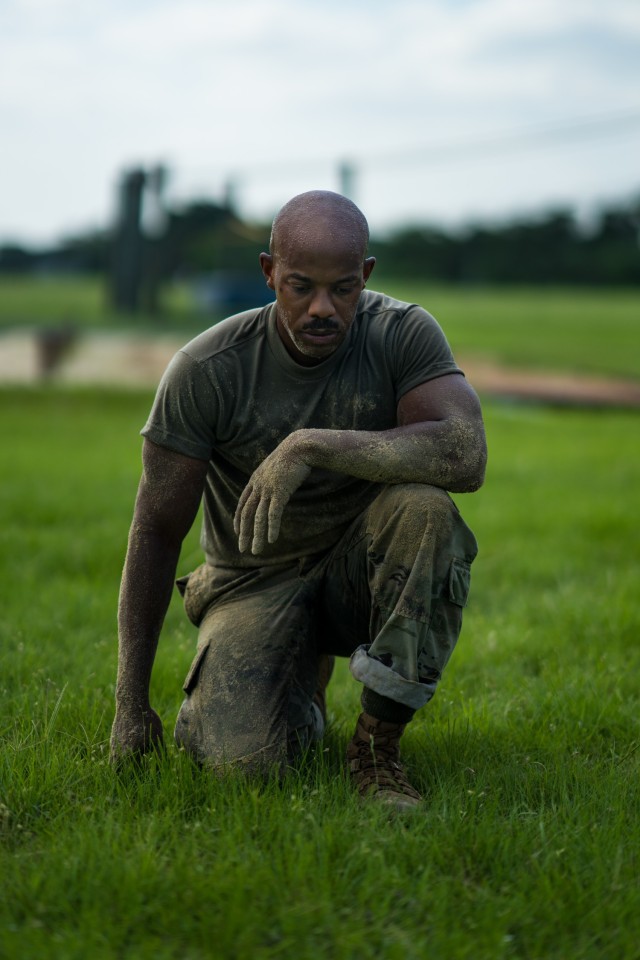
(166, 505)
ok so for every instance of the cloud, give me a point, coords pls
(217, 87)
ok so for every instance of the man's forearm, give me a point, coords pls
(145, 593)
(450, 454)
(166, 505)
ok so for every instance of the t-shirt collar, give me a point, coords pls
(319, 370)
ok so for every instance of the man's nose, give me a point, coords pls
(321, 305)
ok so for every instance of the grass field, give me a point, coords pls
(529, 846)
(584, 330)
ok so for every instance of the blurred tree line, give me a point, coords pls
(552, 249)
(204, 237)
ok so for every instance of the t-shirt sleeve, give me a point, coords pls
(185, 410)
(422, 351)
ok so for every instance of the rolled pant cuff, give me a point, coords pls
(385, 681)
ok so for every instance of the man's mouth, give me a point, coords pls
(319, 335)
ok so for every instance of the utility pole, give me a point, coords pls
(154, 229)
(128, 243)
(346, 178)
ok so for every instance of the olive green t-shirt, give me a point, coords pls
(232, 394)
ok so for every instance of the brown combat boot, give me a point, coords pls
(326, 663)
(373, 759)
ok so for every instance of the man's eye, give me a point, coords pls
(299, 288)
(344, 291)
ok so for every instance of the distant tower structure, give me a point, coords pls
(346, 178)
(155, 222)
(128, 243)
(154, 216)
(230, 194)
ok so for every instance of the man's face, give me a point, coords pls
(317, 291)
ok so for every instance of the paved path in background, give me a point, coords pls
(138, 361)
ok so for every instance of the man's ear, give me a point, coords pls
(367, 267)
(266, 265)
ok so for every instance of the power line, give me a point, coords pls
(462, 149)
(568, 130)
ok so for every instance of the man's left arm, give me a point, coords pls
(439, 440)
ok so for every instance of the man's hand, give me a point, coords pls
(262, 503)
(135, 732)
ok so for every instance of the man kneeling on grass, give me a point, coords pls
(323, 432)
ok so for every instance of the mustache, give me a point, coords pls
(320, 324)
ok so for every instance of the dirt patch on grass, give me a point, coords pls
(562, 389)
(138, 361)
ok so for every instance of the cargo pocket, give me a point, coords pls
(459, 582)
(182, 583)
(191, 678)
(197, 592)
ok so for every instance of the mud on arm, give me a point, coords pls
(439, 440)
(166, 505)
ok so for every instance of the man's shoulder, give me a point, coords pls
(376, 303)
(406, 335)
(234, 332)
(386, 317)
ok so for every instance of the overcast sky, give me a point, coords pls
(449, 110)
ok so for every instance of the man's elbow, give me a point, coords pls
(470, 485)
(471, 472)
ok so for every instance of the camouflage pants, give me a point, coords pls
(389, 595)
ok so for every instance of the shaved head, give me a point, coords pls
(316, 218)
(318, 267)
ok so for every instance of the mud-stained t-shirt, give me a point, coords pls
(232, 394)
